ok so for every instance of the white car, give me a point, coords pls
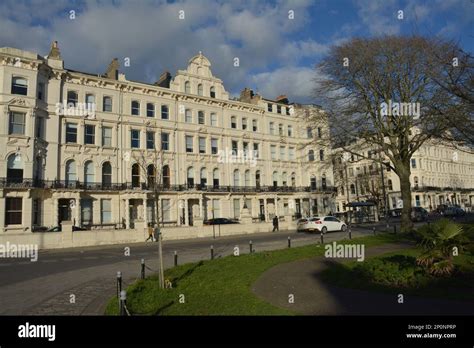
(321, 224)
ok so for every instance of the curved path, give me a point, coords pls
(313, 296)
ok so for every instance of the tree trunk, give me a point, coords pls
(405, 188)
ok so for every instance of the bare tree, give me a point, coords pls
(453, 70)
(150, 164)
(378, 92)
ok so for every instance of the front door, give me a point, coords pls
(64, 210)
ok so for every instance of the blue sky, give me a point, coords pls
(277, 54)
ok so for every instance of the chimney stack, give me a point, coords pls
(113, 69)
(164, 80)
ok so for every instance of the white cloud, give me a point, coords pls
(295, 82)
(380, 17)
(155, 39)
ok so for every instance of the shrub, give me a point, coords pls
(398, 270)
(438, 241)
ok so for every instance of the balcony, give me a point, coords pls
(97, 186)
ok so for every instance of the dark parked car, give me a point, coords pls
(419, 214)
(220, 221)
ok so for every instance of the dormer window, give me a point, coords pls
(269, 107)
(187, 87)
(213, 92)
(200, 91)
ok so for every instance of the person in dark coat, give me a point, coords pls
(275, 224)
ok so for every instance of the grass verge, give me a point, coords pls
(397, 273)
(221, 286)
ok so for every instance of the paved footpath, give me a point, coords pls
(313, 296)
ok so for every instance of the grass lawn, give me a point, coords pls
(397, 273)
(221, 286)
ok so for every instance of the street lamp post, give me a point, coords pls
(384, 192)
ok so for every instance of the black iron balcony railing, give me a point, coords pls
(97, 186)
(16, 183)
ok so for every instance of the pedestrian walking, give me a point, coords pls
(275, 224)
(150, 233)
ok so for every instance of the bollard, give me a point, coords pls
(212, 252)
(119, 285)
(395, 229)
(143, 269)
(175, 258)
(289, 242)
(350, 233)
(373, 229)
(123, 302)
(322, 238)
(250, 247)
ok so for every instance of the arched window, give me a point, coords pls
(416, 182)
(71, 98)
(236, 178)
(71, 173)
(135, 175)
(353, 189)
(312, 182)
(200, 91)
(135, 108)
(89, 173)
(390, 185)
(151, 176)
(293, 179)
(14, 169)
(190, 177)
(187, 87)
(247, 178)
(311, 155)
(257, 178)
(215, 178)
(323, 182)
(166, 177)
(213, 92)
(106, 174)
(284, 179)
(203, 176)
(275, 179)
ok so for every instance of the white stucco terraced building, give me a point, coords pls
(91, 166)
